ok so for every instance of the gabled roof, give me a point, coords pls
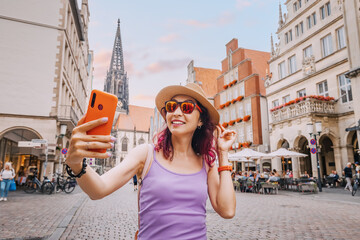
(208, 78)
(259, 61)
(138, 117)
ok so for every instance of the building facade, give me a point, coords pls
(241, 98)
(45, 78)
(307, 84)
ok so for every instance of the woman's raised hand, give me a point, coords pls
(81, 144)
(225, 138)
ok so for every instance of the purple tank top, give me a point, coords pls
(173, 205)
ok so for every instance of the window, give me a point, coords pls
(323, 89)
(299, 1)
(340, 38)
(290, 35)
(124, 145)
(301, 27)
(325, 10)
(141, 141)
(308, 51)
(328, 8)
(297, 31)
(248, 109)
(242, 90)
(286, 99)
(241, 111)
(249, 133)
(295, 6)
(292, 64)
(241, 135)
(314, 18)
(322, 12)
(286, 38)
(233, 114)
(275, 103)
(226, 117)
(229, 95)
(223, 98)
(282, 70)
(301, 93)
(326, 44)
(345, 89)
(308, 20)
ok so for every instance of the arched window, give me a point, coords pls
(124, 144)
(141, 141)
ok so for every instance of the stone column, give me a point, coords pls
(314, 165)
(338, 161)
(295, 167)
(276, 164)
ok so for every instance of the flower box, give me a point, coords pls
(239, 120)
(239, 98)
(225, 86)
(232, 122)
(247, 118)
(222, 106)
(225, 124)
(227, 103)
(233, 101)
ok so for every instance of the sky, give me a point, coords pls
(161, 37)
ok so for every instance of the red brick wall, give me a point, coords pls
(256, 120)
(244, 70)
(233, 45)
(252, 86)
(238, 56)
(220, 84)
(224, 65)
(217, 101)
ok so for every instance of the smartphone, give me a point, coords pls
(101, 104)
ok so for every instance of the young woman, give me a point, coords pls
(6, 175)
(182, 174)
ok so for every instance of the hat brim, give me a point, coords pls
(167, 93)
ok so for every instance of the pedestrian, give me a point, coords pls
(182, 171)
(348, 175)
(6, 175)
(135, 182)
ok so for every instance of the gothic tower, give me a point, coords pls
(116, 81)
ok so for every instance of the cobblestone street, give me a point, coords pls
(328, 215)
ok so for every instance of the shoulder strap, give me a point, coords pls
(148, 160)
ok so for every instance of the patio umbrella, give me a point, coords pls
(282, 152)
(247, 153)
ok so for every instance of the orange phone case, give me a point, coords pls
(101, 104)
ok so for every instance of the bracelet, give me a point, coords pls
(225, 168)
(82, 172)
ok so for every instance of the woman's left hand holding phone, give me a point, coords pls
(81, 144)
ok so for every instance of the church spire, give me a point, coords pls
(281, 22)
(116, 78)
(117, 59)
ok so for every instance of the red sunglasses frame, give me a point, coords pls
(179, 104)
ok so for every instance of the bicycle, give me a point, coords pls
(356, 185)
(67, 185)
(34, 184)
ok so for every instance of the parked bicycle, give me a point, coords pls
(66, 185)
(34, 184)
(356, 185)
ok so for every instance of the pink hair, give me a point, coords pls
(203, 141)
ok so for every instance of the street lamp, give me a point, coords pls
(318, 129)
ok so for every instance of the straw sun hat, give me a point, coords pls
(192, 90)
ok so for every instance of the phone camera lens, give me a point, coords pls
(100, 107)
